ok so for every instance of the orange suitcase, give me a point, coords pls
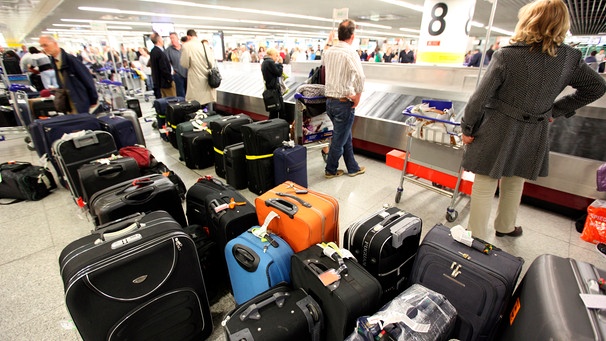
(306, 217)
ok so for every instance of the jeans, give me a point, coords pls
(342, 116)
(180, 84)
(49, 79)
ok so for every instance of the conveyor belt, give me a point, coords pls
(579, 136)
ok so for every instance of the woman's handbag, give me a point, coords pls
(271, 98)
(214, 76)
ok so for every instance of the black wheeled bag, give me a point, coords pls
(386, 243)
(160, 106)
(235, 165)
(137, 278)
(197, 124)
(226, 131)
(547, 305)
(198, 149)
(24, 181)
(279, 314)
(177, 113)
(130, 115)
(477, 280)
(100, 174)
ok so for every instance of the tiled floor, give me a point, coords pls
(32, 234)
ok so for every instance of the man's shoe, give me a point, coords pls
(517, 231)
(330, 176)
(324, 156)
(361, 171)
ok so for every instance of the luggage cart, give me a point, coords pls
(312, 125)
(134, 84)
(15, 86)
(434, 150)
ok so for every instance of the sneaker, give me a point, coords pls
(362, 170)
(330, 176)
(517, 231)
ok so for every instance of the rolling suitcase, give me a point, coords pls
(178, 113)
(132, 116)
(42, 107)
(279, 314)
(100, 174)
(7, 117)
(386, 243)
(235, 165)
(260, 140)
(160, 105)
(134, 105)
(547, 305)
(342, 287)
(74, 150)
(138, 278)
(121, 129)
(143, 194)
(197, 124)
(306, 217)
(198, 149)
(477, 280)
(290, 163)
(226, 131)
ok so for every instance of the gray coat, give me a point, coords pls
(509, 112)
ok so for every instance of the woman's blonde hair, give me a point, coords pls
(271, 52)
(543, 24)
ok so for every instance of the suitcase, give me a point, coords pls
(235, 165)
(260, 140)
(198, 149)
(478, 283)
(178, 113)
(546, 304)
(429, 317)
(42, 107)
(279, 314)
(132, 116)
(256, 264)
(290, 163)
(143, 194)
(386, 243)
(197, 124)
(81, 148)
(226, 131)
(138, 278)
(100, 174)
(7, 117)
(134, 105)
(160, 105)
(354, 293)
(306, 218)
(121, 129)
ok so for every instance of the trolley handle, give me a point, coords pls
(301, 97)
(456, 124)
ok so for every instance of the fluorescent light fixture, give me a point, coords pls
(477, 24)
(116, 27)
(409, 30)
(71, 25)
(404, 4)
(502, 31)
(109, 22)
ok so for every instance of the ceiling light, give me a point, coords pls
(111, 22)
(119, 27)
(409, 30)
(502, 31)
(413, 7)
(477, 24)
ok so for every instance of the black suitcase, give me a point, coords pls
(478, 283)
(260, 140)
(134, 105)
(198, 149)
(42, 107)
(226, 131)
(7, 117)
(121, 129)
(177, 113)
(290, 164)
(138, 278)
(160, 106)
(143, 194)
(547, 305)
(386, 244)
(356, 293)
(235, 165)
(79, 150)
(279, 314)
(100, 174)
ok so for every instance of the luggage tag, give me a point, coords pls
(261, 232)
(331, 277)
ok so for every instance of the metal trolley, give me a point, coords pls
(429, 152)
(312, 125)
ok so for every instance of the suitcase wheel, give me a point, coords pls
(313, 311)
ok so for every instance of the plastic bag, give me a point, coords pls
(595, 225)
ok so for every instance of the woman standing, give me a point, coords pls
(506, 121)
(144, 60)
(272, 69)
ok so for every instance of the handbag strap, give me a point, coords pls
(206, 55)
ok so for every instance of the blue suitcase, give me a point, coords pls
(256, 264)
(290, 164)
(122, 130)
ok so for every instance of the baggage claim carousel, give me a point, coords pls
(577, 144)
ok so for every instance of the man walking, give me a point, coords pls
(179, 73)
(160, 66)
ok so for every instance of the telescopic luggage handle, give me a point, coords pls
(252, 312)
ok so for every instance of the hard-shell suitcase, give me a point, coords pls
(143, 194)
(138, 278)
(279, 314)
(75, 150)
(256, 262)
(547, 305)
(386, 244)
(290, 163)
(342, 287)
(197, 124)
(235, 165)
(477, 280)
(121, 129)
(260, 140)
(134, 105)
(160, 105)
(306, 217)
(178, 113)
(100, 174)
(198, 149)
(226, 131)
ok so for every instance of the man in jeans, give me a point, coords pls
(344, 86)
(173, 52)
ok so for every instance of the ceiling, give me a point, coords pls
(25, 20)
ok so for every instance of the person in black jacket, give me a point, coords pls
(272, 71)
(72, 76)
(162, 77)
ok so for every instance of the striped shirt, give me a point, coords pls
(344, 74)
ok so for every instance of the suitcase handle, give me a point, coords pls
(140, 195)
(246, 257)
(110, 171)
(285, 206)
(88, 139)
(301, 201)
(119, 228)
(252, 312)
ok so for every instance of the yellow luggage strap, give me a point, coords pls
(257, 157)
(220, 152)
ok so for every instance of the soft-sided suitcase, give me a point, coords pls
(235, 165)
(279, 314)
(178, 113)
(7, 117)
(342, 287)
(121, 129)
(257, 261)
(160, 105)
(131, 115)
(143, 194)
(77, 149)
(306, 217)
(547, 305)
(197, 124)
(138, 278)
(386, 244)
(198, 149)
(42, 107)
(477, 280)
(260, 140)
(226, 131)
(290, 163)
(100, 174)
